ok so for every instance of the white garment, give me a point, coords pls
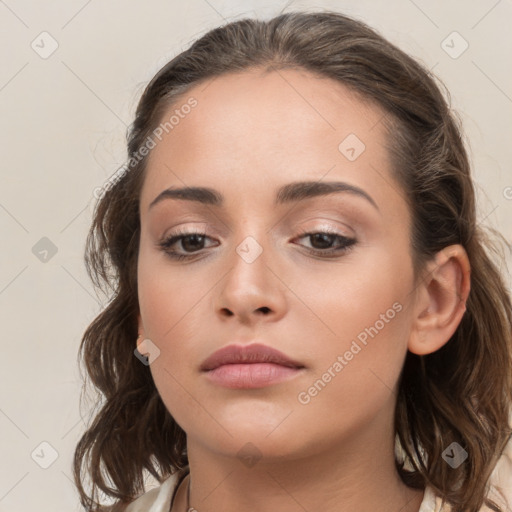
(159, 498)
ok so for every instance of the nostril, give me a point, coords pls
(264, 309)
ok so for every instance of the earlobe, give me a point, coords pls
(441, 300)
(140, 328)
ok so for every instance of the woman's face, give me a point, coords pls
(338, 305)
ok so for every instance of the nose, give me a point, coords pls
(251, 291)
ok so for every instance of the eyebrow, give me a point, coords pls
(291, 192)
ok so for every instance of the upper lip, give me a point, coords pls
(254, 353)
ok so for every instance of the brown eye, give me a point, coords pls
(322, 242)
(191, 242)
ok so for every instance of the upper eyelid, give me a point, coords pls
(302, 231)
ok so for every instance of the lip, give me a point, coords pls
(248, 354)
(249, 366)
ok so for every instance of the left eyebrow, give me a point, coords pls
(301, 190)
(291, 192)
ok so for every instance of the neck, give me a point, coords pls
(359, 475)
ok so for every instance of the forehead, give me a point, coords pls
(249, 128)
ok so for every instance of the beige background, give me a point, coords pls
(63, 127)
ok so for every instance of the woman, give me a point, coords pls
(305, 313)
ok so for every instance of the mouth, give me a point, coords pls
(249, 367)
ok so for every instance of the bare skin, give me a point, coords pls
(332, 450)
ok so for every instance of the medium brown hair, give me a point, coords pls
(460, 393)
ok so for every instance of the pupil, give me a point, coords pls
(195, 238)
(325, 240)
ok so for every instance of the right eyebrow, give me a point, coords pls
(202, 195)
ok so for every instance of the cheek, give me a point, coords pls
(166, 299)
(363, 313)
(171, 310)
(363, 297)
(356, 373)
(341, 405)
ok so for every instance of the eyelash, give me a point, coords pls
(347, 244)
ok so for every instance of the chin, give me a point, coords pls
(257, 441)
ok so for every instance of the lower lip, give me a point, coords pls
(250, 375)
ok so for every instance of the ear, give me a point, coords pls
(140, 327)
(440, 300)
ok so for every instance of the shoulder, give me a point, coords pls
(159, 498)
(501, 479)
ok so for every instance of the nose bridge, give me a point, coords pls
(250, 286)
(250, 260)
(251, 236)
